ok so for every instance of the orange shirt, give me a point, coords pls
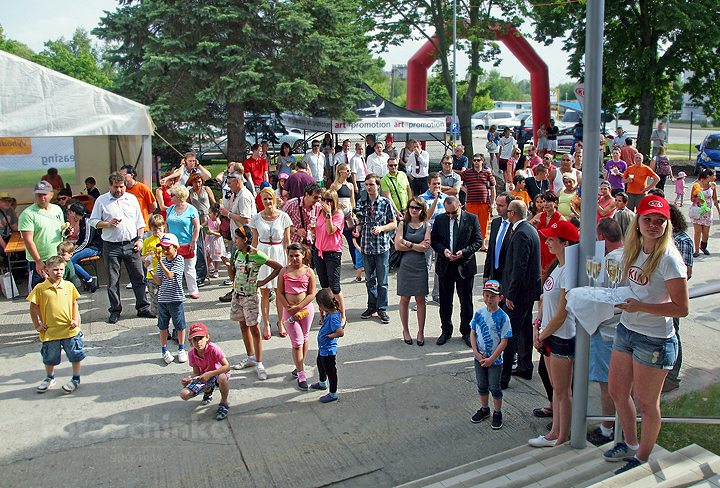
(145, 198)
(641, 175)
(522, 195)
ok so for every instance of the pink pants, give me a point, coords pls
(299, 331)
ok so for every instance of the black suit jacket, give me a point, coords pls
(469, 241)
(522, 265)
(490, 272)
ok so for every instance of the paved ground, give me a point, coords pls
(404, 411)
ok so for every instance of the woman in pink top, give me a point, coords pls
(606, 202)
(296, 292)
(327, 253)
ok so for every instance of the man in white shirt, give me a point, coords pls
(377, 161)
(505, 145)
(619, 140)
(417, 167)
(359, 171)
(119, 216)
(315, 161)
(344, 156)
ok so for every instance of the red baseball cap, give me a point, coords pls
(654, 204)
(198, 330)
(562, 229)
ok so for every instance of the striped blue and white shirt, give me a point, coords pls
(171, 290)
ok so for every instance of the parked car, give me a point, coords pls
(498, 118)
(708, 153)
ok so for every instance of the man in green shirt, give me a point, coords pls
(41, 227)
(396, 187)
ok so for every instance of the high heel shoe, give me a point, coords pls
(267, 336)
(281, 332)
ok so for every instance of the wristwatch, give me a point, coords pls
(327, 215)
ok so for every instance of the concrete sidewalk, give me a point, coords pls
(404, 411)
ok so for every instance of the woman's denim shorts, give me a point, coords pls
(653, 352)
(561, 348)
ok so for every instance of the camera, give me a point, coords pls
(363, 212)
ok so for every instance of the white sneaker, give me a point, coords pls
(260, 370)
(70, 386)
(129, 286)
(246, 362)
(168, 357)
(45, 384)
(541, 441)
(182, 356)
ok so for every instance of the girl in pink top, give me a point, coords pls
(296, 292)
(214, 244)
(606, 202)
(327, 256)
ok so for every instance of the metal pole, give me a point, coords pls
(454, 90)
(690, 141)
(588, 212)
(392, 84)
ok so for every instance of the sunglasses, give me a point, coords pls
(392, 165)
(449, 162)
(415, 207)
(454, 212)
(316, 145)
(478, 160)
(317, 197)
(62, 198)
(328, 200)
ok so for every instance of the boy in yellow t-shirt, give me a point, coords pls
(156, 223)
(56, 316)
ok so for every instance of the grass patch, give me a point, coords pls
(29, 178)
(705, 403)
(680, 147)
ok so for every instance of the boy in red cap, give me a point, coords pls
(210, 369)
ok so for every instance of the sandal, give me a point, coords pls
(268, 336)
(281, 332)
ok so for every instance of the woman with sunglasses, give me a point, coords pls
(327, 251)
(346, 201)
(413, 237)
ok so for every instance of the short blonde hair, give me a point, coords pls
(180, 191)
(270, 192)
(156, 221)
(65, 246)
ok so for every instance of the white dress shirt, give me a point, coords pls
(316, 163)
(378, 164)
(126, 209)
(417, 167)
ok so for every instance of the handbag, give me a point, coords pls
(349, 221)
(186, 252)
(491, 146)
(224, 228)
(8, 286)
(694, 212)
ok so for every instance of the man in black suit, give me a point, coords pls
(522, 288)
(456, 237)
(499, 239)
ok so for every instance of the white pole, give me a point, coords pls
(454, 93)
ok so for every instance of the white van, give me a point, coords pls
(498, 118)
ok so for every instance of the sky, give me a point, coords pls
(33, 22)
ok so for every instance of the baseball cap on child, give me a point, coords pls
(198, 329)
(168, 240)
(562, 229)
(492, 286)
(43, 187)
(654, 204)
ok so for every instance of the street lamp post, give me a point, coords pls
(454, 90)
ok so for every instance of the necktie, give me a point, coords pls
(456, 233)
(498, 243)
(346, 159)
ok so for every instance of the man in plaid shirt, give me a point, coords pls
(375, 233)
(301, 223)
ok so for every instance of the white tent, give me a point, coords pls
(37, 102)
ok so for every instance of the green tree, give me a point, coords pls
(502, 88)
(432, 20)
(76, 57)
(377, 79)
(567, 91)
(207, 63)
(439, 99)
(15, 47)
(647, 45)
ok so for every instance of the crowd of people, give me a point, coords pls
(278, 239)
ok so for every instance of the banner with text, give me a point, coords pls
(36, 153)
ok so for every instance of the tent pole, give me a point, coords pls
(146, 152)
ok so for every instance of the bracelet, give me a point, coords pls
(536, 322)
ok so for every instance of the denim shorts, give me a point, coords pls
(174, 311)
(600, 352)
(561, 348)
(653, 352)
(73, 346)
(488, 379)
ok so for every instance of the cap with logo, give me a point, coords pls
(654, 204)
(198, 329)
(43, 188)
(492, 286)
(562, 229)
(168, 240)
(5, 195)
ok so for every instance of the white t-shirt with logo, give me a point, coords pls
(551, 296)
(653, 290)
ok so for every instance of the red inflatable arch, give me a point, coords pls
(420, 63)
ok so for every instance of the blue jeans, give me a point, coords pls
(75, 259)
(488, 379)
(376, 271)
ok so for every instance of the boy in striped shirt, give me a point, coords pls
(168, 275)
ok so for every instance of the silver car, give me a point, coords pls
(498, 118)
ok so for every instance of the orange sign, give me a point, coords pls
(15, 146)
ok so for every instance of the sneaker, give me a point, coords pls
(195, 296)
(228, 282)
(631, 463)
(260, 370)
(367, 314)
(168, 357)
(303, 385)
(271, 296)
(207, 397)
(619, 452)
(245, 362)
(222, 411)
(358, 279)
(480, 415)
(318, 386)
(541, 441)
(45, 384)
(294, 372)
(216, 274)
(182, 356)
(597, 438)
(226, 297)
(384, 317)
(93, 284)
(128, 286)
(497, 420)
(705, 252)
(70, 386)
(327, 398)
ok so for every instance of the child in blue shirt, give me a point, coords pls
(329, 333)
(490, 330)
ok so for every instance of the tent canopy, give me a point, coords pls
(36, 101)
(376, 115)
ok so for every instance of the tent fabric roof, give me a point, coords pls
(36, 101)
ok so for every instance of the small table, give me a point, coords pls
(15, 246)
(592, 307)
